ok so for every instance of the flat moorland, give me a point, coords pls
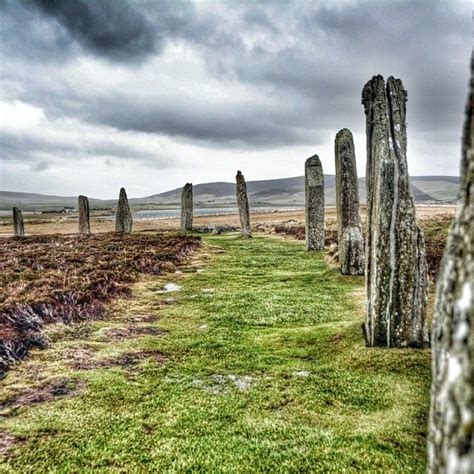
(256, 364)
(46, 279)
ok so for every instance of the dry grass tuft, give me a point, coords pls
(58, 278)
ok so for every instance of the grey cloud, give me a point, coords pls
(25, 34)
(109, 28)
(42, 166)
(30, 147)
(310, 62)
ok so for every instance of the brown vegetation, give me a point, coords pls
(56, 278)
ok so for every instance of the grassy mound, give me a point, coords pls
(260, 366)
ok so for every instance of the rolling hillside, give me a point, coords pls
(277, 192)
(290, 191)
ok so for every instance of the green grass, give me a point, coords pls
(266, 370)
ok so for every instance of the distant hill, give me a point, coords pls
(290, 191)
(270, 192)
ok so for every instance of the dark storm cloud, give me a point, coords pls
(232, 125)
(110, 28)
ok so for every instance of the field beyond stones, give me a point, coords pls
(251, 354)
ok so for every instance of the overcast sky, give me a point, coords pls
(96, 95)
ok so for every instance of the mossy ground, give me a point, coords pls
(263, 368)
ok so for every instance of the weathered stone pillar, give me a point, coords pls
(84, 224)
(349, 231)
(187, 207)
(18, 225)
(451, 425)
(123, 221)
(243, 205)
(396, 270)
(314, 203)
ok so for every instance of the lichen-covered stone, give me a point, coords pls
(314, 203)
(123, 221)
(84, 223)
(451, 425)
(349, 231)
(396, 269)
(187, 207)
(18, 224)
(243, 205)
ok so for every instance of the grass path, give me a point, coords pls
(256, 365)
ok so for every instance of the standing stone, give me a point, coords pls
(314, 203)
(243, 205)
(396, 269)
(187, 207)
(84, 224)
(18, 225)
(349, 231)
(451, 425)
(123, 221)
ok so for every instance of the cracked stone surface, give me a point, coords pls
(84, 222)
(314, 203)
(396, 269)
(187, 207)
(243, 205)
(451, 423)
(18, 224)
(123, 221)
(349, 230)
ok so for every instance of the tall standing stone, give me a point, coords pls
(396, 269)
(451, 425)
(349, 231)
(314, 203)
(187, 207)
(123, 221)
(84, 223)
(18, 224)
(243, 205)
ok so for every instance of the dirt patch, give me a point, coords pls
(47, 392)
(7, 441)
(336, 338)
(83, 359)
(142, 318)
(120, 334)
(133, 358)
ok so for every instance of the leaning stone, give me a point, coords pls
(124, 220)
(187, 207)
(451, 423)
(349, 231)
(314, 203)
(243, 205)
(84, 223)
(18, 224)
(396, 269)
